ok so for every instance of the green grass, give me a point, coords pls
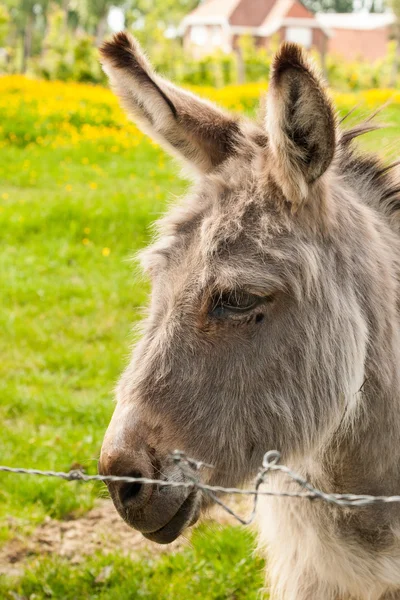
(66, 333)
(70, 220)
(219, 565)
(67, 308)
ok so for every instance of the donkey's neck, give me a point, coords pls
(363, 454)
(364, 458)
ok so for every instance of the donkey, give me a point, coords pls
(273, 324)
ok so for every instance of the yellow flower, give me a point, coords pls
(5, 196)
(90, 114)
(106, 252)
(68, 188)
(93, 185)
(86, 230)
(85, 242)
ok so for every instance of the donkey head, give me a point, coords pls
(256, 335)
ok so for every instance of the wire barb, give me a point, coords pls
(191, 469)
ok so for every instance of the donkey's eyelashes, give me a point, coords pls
(235, 302)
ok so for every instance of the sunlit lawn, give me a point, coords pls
(218, 565)
(71, 217)
(69, 295)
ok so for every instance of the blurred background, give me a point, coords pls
(211, 42)
(80, 187)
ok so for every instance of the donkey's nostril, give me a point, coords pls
(130, 490)
(132, 495)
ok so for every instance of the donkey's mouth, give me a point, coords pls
(186, 516)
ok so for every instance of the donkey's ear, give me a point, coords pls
(301, 123)
(185, 125)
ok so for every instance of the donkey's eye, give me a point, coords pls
(234, 301)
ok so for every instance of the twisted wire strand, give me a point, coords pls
(191, 469)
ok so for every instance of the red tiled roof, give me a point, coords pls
(263, 16)
(215, 8)
(251, 13)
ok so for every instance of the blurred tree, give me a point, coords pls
(4, 24)
(67, 54)
(345, 6)
(94, 14)
(29, 19)
(171, 12)
(162, 14)
(25, 15)
(340, 6)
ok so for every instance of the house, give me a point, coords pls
(218, 24)
(358, 35)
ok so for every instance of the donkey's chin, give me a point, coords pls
(186, 516)
(163, 523)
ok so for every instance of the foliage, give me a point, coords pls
(67, 56)
(74, 57)
(395, 6)
(27, 25)
(29, 20)
(57, 39)
(339, 6)
(359, 74)
(93, 16)
(345, 6)
(4, 24)
(157, 15)
(219, 69)
(82, 25)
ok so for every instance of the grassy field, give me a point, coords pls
(79, 188)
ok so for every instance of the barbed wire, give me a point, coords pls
(191, 470)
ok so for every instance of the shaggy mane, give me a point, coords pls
(379, 183)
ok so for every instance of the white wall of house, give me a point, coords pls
(300, 35)
(203, 39)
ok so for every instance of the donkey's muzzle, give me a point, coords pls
(127, 496)
(160, 512)
(187, 515)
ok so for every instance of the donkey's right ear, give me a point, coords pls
(301, 123)
(183, 123)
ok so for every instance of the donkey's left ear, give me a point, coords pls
(193, 129)
(301, 123)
